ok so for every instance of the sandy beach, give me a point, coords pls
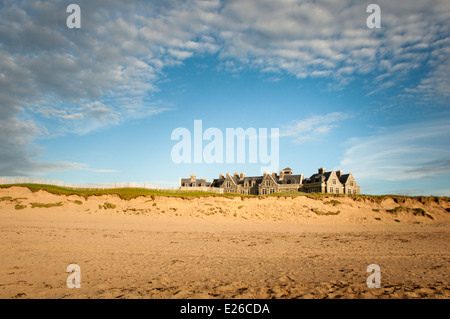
(222, 247)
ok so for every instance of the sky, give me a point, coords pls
(99, 103)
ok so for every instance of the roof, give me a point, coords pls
(290, 179)
(343, 179)
(315, 178)
(198, 182)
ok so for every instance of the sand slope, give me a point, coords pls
(218, 247)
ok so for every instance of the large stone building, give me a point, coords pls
(194, 182)
(322, 182)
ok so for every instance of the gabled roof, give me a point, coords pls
(315, 178)
(274, 178)
(290, 179)
(197, 182)
(343, 179)
(249, 179)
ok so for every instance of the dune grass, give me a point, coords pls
(319, 212)
(45, 205)
(130, 193)
(415, 211)
(123, 193)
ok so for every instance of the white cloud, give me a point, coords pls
(313, 127)
(101, 74)
(406, 152)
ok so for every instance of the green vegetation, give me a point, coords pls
(44, 205)
(9, 198)
(318, 212)
(420, 212)
(375, 210)
(396, 220)
(415, 211)
(18, 206)
(377, 218)
(332, 202)
(239, 207)
(130, 193)
(395, 210)
(108, 206)
(123, 193)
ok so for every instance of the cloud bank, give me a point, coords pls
(106, 72)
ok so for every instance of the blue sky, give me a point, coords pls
(99, 104)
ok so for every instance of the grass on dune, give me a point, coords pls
(130, 193)
(124, 193)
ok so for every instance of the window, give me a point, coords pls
(253, 183)
(228, 184)
(272, 191)
(354, 191)
(267, 183)
(334, 181)
(351, 183)
(246, 184)
(331, 189)
(337, 190)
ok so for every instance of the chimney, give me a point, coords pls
(265, 173)
(321, 170)
(281, 175)
(242, 176)
(204, 179)
(339, 173)
(236, 175)
(220, 176)
(193, 177)
(274, 174)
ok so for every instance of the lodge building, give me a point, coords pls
(322, 182)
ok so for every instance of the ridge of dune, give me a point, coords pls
(297, 209)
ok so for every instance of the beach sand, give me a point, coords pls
(219, 247)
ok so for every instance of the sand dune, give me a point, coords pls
(219, 247)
